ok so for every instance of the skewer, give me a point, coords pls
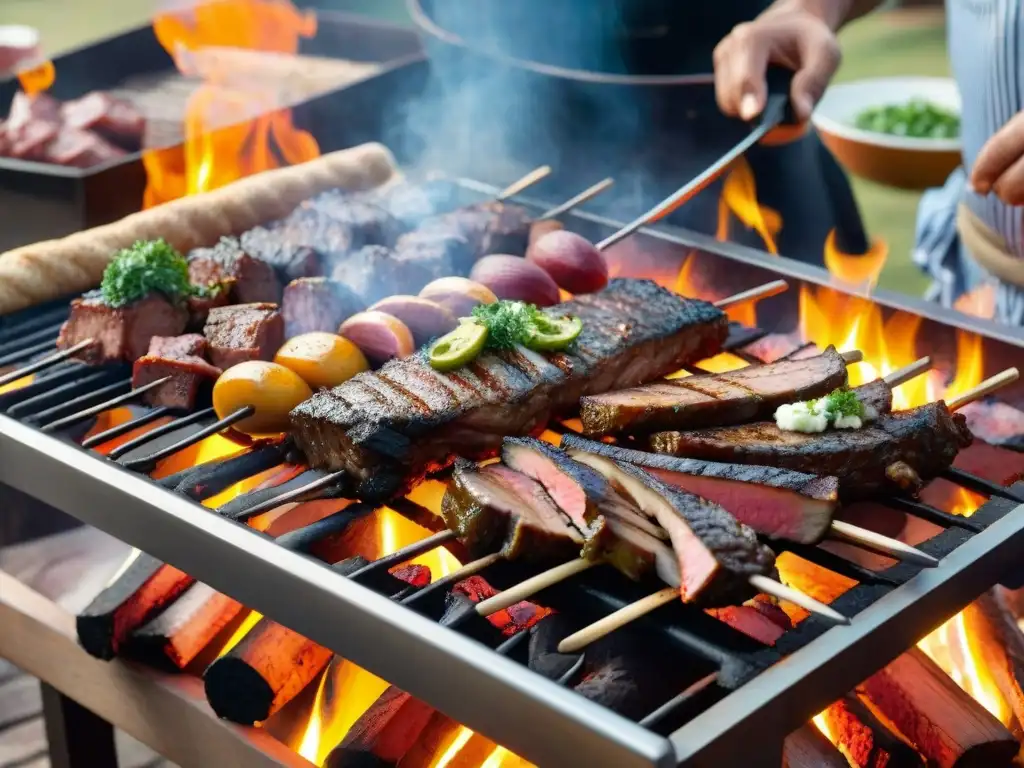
(882, 544)
(145, 463)
(774, 288)
(580, 640)
(469, 569)
(984, 389)
(677, 701)
(907, 372)
(160, 431)
(526, 589)
(526, 181)
(296, 493)
(127, 397)
(46, 362)
(124, 429)
(588, 194)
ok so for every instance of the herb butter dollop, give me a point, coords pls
(840, 410)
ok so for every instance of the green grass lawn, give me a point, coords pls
(890, 43)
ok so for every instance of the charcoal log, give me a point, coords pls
(205, 481)
(185, 628)
(865, 740)
(141, 591)
(807, 747)
(384, 733)
(991, 624)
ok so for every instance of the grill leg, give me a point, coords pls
(78, 738)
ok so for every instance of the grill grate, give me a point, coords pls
(717, 713)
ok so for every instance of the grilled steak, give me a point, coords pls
(775, 502)
(186, 345)
(495, 509)
(188, 374)
(437, 252)
(716, 555)
(714, 399)
(390, 427)
(243, 332)
(899, 452)
(122, 334)
(317, 304)
(247, 279)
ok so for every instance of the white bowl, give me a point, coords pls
(913, 163)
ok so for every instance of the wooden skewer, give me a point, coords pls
(986, 388)
(620, 618)
(882, 544)
(907, 372)
(774, 288)
(587, 194)
(46, 362)
(528, 180)
(526, 589)
(852, 356)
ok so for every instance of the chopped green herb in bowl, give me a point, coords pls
(916, 119)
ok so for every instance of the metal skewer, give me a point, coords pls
(46, 362)
(525, 182)
(127, 397)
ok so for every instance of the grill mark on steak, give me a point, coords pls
(421, 405)
(778, 503)
(493, 398)
(716, 399)
(898, 453)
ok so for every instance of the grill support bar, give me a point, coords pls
(532, 716)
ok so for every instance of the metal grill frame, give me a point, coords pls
(530, 715)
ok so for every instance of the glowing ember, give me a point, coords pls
(231, 130)
(739, 198)
(460, 740)
(37, 79)
(18, 384)
(860, 270)
(250, 621)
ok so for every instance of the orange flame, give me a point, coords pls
(37, 79)
(739, 200)
(856, 269)
(231, 131)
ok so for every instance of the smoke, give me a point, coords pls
(487, 116)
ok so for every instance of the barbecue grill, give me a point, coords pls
(729, 693)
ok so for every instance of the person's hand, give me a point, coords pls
(999, 167)
(795, 39)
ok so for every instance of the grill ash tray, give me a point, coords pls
(49, 201)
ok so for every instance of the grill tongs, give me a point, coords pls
(778, 112)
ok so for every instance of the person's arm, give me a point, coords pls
(797, 34)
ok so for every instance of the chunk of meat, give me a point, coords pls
(317, 304)
(241, 332)
(186, 345)
(373, 273)
(80, 149)
(245, 278)
(188, 373)
(369, 223)
(114, 119)
(436, 252)
(121, 334)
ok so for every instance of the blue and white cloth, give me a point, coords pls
(986, 48)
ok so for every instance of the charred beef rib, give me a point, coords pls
(122, 334)
(243, 332)
(778, 503)
(898, 453)
(388, 428)
(714, 399)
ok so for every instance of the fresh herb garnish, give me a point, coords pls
(147, 266)
(844, 402)
(841, 409)
(508, 323)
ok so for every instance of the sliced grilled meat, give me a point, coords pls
(717, 555)
(189, 373)
(496, 509)
(898, 453)
(248, 279)
(580, 491)
(490, 227)
(714, 399)
(121, 334)
(317, 304)
(779, 503)
(390, 427)
(186, 345)
(243, 332)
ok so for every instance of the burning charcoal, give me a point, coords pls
(271, 665)
(386, 731)
(241, 332)
(460, 614)
(248, 278)
(807, 747)
(413, 575)
(544, 657)
(204, 481)
(867, 742)
(750, 622)
(440, 730)
(182, 631)
(368, 222)
(317, 304)
(187, 376)
(114, 119)
(121, 334)
(138, 594)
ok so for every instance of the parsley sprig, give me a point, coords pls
(509, 323)
(146, 267)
